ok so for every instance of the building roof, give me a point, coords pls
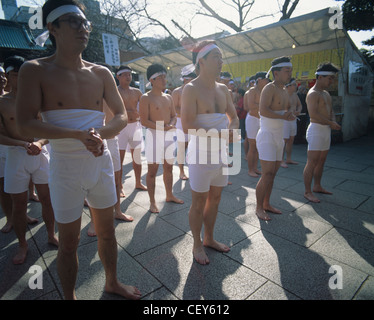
(14, 35)
(312, 28)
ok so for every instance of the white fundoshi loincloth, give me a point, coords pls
(207, 157)
(318, 137)
(269, 138)
(75, 174)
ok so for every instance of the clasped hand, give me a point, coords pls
(93, 142)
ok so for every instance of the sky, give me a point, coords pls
(199, 26)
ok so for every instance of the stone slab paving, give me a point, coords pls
(301, 254)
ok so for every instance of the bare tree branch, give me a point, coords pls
(183, 30)
(215, 15)
(287, 14)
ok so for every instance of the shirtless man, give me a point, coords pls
(26, 159)
(5, 199)
(113, 148)
(322, 121)
(290, 127)
(182, 138)
(206, 104)
(69, 92)
(273, 106)
(252, 125)
(132, 134)
(158, 115)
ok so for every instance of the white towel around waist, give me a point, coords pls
(81, 119)
(270, 124)
(201, 146)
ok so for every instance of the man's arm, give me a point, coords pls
(298, 106)
(188, 108)
(231, 112)
(173, 116)
(232, 116)
(252, 104)
(245, 101)
(115, 104)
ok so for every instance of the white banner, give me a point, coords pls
(111, 50)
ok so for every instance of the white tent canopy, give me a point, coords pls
(304, 30)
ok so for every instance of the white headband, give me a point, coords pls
(154, 76)
(55, 14)
(279, 65)
(60, 11)
(325, 73)
(187, 70)
(291, 83)
(204, 51)
(10, 68)
(123, 71)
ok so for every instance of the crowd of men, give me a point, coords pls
(66, 126)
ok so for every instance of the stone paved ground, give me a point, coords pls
(289, 257)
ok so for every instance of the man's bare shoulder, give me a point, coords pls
(97, 69)
(190, 87)
(252, 91)
(35, 66)
(178, 90)
(313, 94)
(145, 95)
(167, 96)
(136, 90)
(222, 86)
(269, 88)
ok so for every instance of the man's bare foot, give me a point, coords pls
(291, 162)
(310, 196)
(258, 171)
(262, 215)
(20, 256)
(321, 190)
(183, 177)
(153, 208)
(253, 174)
(284, 165)
(216, 245)
(91, 230)
(122, 194)
(139, 187)
(272, 209)
(7, 228)
(53, 240)
(123, 217)
(175, 200)
(31, 220)
(128, 292)
(200, 255)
